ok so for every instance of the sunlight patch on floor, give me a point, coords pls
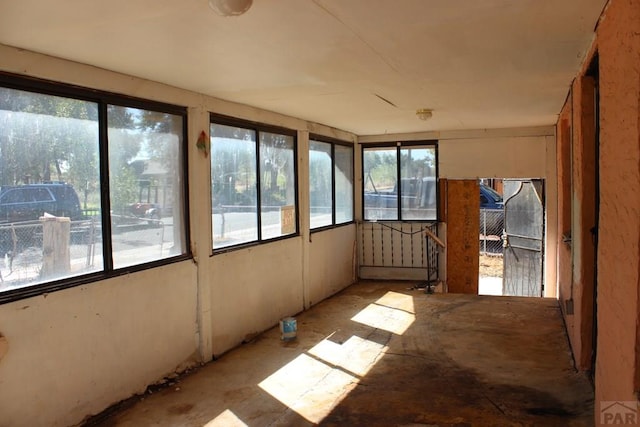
(226, 419)
(315, 382)
(356, 355)
(394, 313)
(309, 387)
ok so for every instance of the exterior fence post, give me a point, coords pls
(56, 255)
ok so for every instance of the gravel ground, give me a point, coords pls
(490, 266)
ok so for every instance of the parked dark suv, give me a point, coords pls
(29, 202)
(490, 198)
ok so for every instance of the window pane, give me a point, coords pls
(277, 185)
(233, 186)
(320, 194)
(344, 183)
(380, 176)
(48, 165)
(418, 189)
(145, 177)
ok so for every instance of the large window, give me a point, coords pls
(253, 183)
(90, 186)
(330, 183)
(146, 182)
(414, 167)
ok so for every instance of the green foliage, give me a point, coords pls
(276, 163)
(320, 176)
(233, 166)
(39, 134)
(380, 166)
(154, 124)
(417, 162)
(45, 138)
(234, 171)
(380, 169)
(123, 189)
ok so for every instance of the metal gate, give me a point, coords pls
(523, 237)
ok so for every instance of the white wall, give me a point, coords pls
(75, 352)
(252, 289)
(334, 262)
(499, 157)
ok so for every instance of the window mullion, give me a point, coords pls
(296, 185)
(105, 200)
(333, 184)
(258, 186)
(399, 181)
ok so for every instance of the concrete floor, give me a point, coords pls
(382, 354)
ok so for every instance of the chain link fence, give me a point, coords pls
(491, 227)
(22, 260)
(21, 250)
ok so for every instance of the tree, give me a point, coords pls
(276, 156)
(124, 144)
(161, 135)
(233, 166)
(39, 133)
(320, 174)
(380, 168)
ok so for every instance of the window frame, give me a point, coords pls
(334, 143)
(102, 99)
(258, 128)
(399, 145)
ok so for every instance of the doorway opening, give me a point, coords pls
(511, 237)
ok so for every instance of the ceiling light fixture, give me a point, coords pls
(424, 113)
(230, 7)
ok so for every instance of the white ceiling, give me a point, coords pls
(477, 63)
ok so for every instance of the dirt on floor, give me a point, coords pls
(382, 354)
(490, 265)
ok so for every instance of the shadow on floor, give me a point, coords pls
(384, 354)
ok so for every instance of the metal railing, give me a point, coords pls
(399, 245)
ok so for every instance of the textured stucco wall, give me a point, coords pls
(617, 46)
(584, 212)
(618, 41)
(565, 273)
